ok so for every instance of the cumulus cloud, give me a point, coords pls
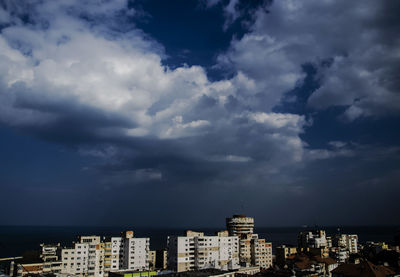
(69, 76)
(352, 44)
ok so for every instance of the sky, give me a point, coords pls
(181, 113)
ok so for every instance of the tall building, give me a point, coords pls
(128, 252)
(196, 251)
(92, 257)
(117, 253)
(135, 253)
(253, 251)
(107, 257)
(261, 252)
(239, 225)
(85, 258)
(95, 258)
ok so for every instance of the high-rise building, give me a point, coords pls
(261, 252)
(136, 253)
(85, 258)
(117, 253)
(92, 257)
(253, 251)
(196, 251)
(239, 225)
(129, 252)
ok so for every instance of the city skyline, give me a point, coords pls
(177, 113)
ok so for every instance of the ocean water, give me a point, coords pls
(14, 240)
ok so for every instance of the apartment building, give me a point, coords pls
(128, 252)
(152, 259)
(196, 251)
(85, 258)
(312, 239)
(349, 242)
(50, 262)
(117, 253)
(136, 253)
(50, 257)
(253, 251)
(282, 253)
(107, 257)
(261, 252)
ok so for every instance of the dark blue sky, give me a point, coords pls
(180, 113)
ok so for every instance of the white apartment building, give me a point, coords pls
(136, 253)
(75, 259)
(129, 252)
(196, 251)
(117, 253)
(312, 239)
(92, 257)
(261, 252)
(86, 258)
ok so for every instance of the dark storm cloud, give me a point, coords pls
(69, 75)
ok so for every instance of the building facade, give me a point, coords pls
(282, 253)
(350, 242)
(238, 225)
(85, 258)
(253, 251)
(196, 251)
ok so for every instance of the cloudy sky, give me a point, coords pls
(180, 113)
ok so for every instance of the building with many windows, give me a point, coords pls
(238, 225)
(85, 258)
(195, 251)
(349, 242)
(253, 251)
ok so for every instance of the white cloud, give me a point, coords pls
(230, 158)
(358, 36)
(115, 88)
(292, 122)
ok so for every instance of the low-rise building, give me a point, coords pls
(340, 254)
(350, 242)
(282, 252)
(364, 268)
(312, 239)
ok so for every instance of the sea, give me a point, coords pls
(15, 240)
